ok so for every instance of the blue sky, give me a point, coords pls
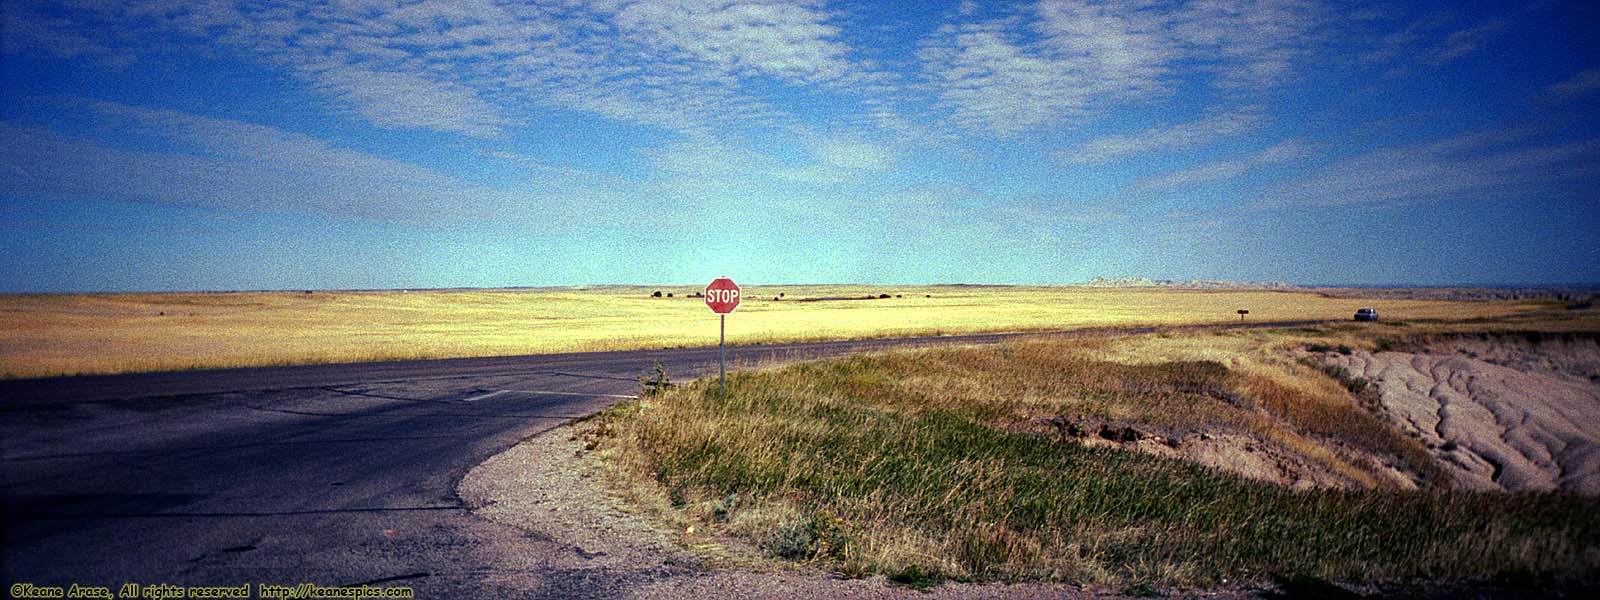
(203, 145)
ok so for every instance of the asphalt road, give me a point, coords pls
(336, 475)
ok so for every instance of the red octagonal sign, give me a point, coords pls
(722, 295)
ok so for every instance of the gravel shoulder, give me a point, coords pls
(550, 487)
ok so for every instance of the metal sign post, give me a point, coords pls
(722, 295)
(722, 360)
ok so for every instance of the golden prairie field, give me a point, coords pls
(43, 335)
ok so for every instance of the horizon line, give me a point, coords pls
(1215, 284)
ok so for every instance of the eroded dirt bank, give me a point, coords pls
(1502, 412)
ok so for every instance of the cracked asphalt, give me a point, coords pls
(337, 475)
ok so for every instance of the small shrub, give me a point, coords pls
(1354, 383)
(723, 511)
(792, 540)
(1324, 348)
(1142, 589)
(914, 577)
(678, 496)
(655, 384)
(1302, 585)
(806, 538)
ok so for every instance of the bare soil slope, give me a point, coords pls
(1502, 412)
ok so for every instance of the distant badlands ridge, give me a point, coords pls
(1203, 284)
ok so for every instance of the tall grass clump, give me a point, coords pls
(928, 465)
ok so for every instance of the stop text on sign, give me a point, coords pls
(722, 295)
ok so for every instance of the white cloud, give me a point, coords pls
(267, 146)
(826, 159)
(56, 167)
(1430, 40)
(1125, 46)
(230, 165)
(785, 39)
(1226, 169)
(23, 27)
(467, 66)
(1581, 84)
(540, 170)
(1464, 165)
(852, 154)
(1251, 43)
(837, 158)
(1074, 58)
(993, 82)
(1463, 42)
(402, 100)
(1390, 46)
(705, 158)
(1182, 136)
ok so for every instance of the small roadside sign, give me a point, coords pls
(722, 295)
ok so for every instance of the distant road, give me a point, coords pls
(327, 474)
(98, 388)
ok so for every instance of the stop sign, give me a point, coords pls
(722, 295)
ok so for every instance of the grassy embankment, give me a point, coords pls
(935, 464)
(106, 333)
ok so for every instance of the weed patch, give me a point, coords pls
(656, 383)
(1355, 384)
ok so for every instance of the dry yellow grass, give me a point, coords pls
(43, 335)
(943, 463)
(1305, 404)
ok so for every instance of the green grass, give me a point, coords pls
(930, 465)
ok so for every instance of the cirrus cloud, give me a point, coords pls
(1070, 59)
(1182, 136)
(461, 66)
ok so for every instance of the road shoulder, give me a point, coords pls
(552, 487)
